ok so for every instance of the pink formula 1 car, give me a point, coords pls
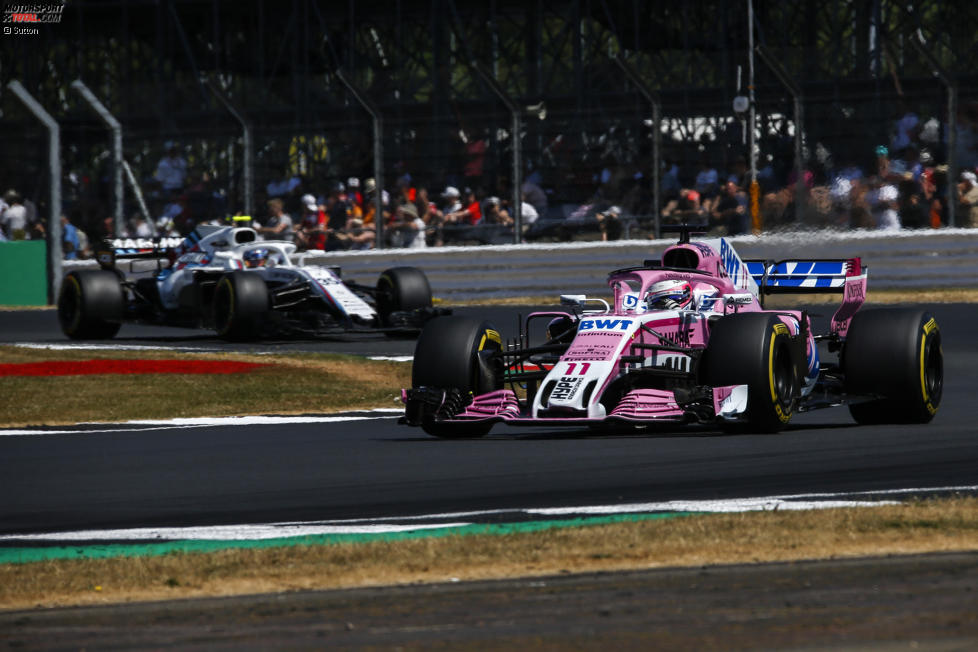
(684, 340)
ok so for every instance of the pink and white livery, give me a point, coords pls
(684, 340)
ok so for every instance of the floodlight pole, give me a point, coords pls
(374, 112)
(517, 128)
(656, 103)
(54, 200)
(247, 143)
(113, 124)
(795, 91)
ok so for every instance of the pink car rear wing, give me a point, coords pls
(844, 276)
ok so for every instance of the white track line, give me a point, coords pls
(204, 422)
(221, 532)
(71, 346)
(80, 346)
(260, 531)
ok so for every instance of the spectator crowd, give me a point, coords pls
(903, 187)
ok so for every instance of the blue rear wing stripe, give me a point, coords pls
(799, 268)
(800, 274)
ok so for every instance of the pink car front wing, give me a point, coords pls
(637, 406)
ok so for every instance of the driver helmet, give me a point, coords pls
(669, 295)
(255, 257)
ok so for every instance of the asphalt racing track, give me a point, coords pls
(127, 476)
(121, 476)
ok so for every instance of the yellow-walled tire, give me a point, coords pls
(240, 305)
(754, 349)
(895, 356)
(458, 353)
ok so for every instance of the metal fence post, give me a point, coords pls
(795, 90)
(54, 171)
(247, 143)
(116, 128)
(517, 127)
(952, 123)
(755, 188)
(378, 155)
(653, 99)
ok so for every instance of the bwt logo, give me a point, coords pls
(605, 324)
(730, 260)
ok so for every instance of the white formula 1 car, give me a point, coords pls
(226, 279)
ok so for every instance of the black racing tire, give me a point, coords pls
(90, 304)
(402, 289)
(754, 349)
(458, 353)
(240, 305)
(895, 354)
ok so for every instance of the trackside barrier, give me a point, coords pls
(910, 260)
(23, 273)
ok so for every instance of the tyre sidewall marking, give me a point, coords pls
(489, 335)
(929, 327)
(779, 329)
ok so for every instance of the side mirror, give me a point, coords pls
(573, 300)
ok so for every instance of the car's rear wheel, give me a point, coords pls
(240, 305)
(401, 289)
(90, 304)
(894, 354)
(754, 349)
(458, 353)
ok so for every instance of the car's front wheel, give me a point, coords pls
(458, 353)
(240, 305)
(754, 349)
